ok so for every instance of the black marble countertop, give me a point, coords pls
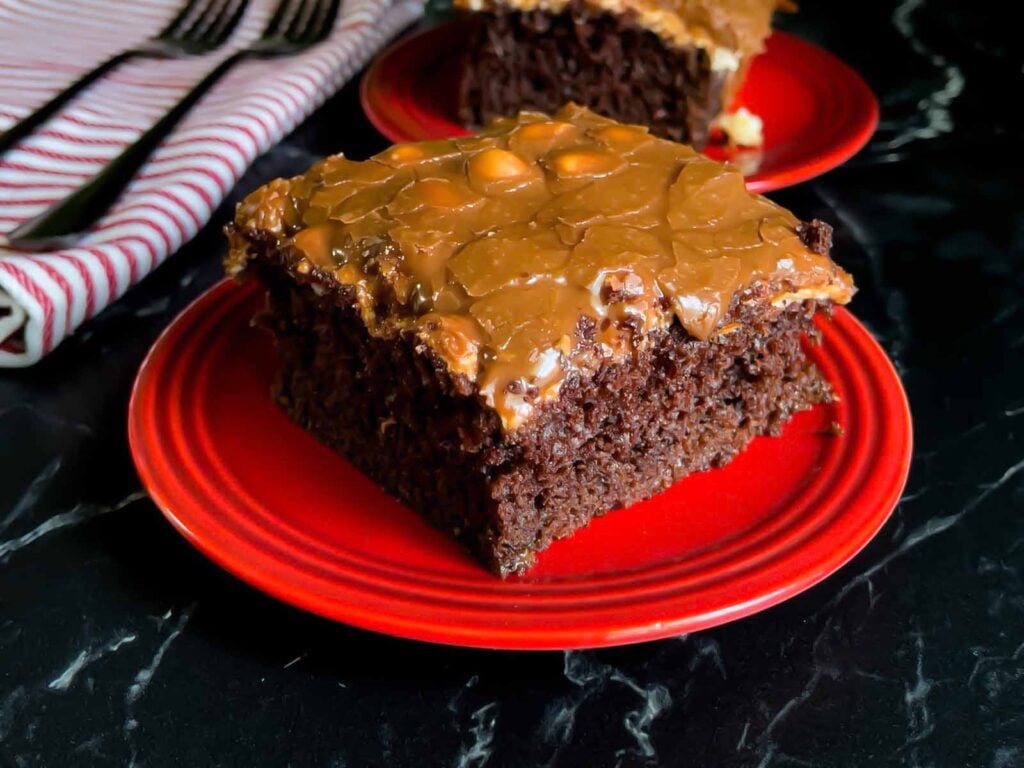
(121, 645)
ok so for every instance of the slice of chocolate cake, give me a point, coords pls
(517, 331)
(672, 66)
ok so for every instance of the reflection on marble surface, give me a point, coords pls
(120, 645)
(933, 104)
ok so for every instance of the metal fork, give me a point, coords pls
(200, 27)
(294, 26)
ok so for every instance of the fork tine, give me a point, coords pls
(274, 26)
(325, 22)
(228, 21)
(199, 34)
(299, 20)
(187, 10)
(193, 24)
(317, 24)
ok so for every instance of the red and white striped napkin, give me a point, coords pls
(45, 45)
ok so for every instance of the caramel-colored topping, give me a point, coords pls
(515, 254)
(404, 154)
(590, 164)
(496, 165)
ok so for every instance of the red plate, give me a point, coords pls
(266, 501)
(817, 111)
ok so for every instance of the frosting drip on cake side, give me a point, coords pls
(504, 251)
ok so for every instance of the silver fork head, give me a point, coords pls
(199, 27)
(320, 22)
(298, 24)
(188, 11)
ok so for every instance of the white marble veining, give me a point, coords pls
(36, 488)
(916, 692)
(141, 682)
(654, 700)
(78, 514)
(87, 656)
(929, 528)
(765, 746)
(478, 752)
(591, 678)
(934, 107)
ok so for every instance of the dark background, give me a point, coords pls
(119, 644)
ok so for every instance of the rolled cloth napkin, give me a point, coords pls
(45, 45)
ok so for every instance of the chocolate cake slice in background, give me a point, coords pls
(672, 66)
(517, 331)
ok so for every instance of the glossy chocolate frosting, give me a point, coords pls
(503, 251)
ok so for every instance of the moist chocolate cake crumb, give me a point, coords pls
(539, 60)
(816, 235)
(630, 431)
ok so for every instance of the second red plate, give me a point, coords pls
(272, 505)
(817, 111)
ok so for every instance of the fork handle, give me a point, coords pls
(24, 127)
(63, 223)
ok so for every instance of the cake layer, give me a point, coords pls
(539, 59)
(494, 251)
(734, 29)
(673, 65)
(392, 408)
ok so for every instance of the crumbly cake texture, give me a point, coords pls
(517, 331)
(673, 66)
